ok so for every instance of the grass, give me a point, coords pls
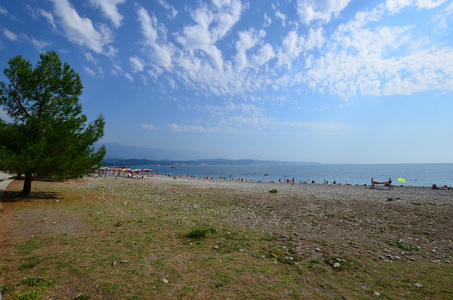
(123, 241)
(402, 246)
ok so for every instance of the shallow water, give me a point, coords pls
(415, 174)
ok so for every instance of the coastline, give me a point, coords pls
(402, 194)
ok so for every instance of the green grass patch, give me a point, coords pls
(201, 232)
(402, 246)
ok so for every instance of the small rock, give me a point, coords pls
(164, 280)
(418, 285)
(317, 249)
(336, 265)
(216, 247)
(113, 263)
(377, 293)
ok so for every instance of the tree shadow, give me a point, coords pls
(16, 196)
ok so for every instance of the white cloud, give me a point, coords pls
(155, 39)
(10, 35)
(138, 65)
(89, 57)
(186, 128)
(444, 18)
(380, 61)
(3, 11)
(396, 5)
(172, 11)
(40, 45)
(265, 54)
(89, 71)
(319, 10)
(110, 10)
(149, 126)
(267, 21)
(429, 4)
(129, 77)
(281, 16)
(48, 16)
(247, 40)
(80, 30)
(210, 27)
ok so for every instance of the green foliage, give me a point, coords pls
(39, 282)
(402, 246)
(200, 233)
(48, 136)
(273, 191)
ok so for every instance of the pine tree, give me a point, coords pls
(49, 136)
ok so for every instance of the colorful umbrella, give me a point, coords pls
(401, 180)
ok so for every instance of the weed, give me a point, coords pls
(28, 247)
(390, 199)
(200, 233)
(417, 203)
(273, 191)
(34, 261)
(402, 246)
(28, 296)
(30, 265)
(39, 282)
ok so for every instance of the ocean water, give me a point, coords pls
(415, 174)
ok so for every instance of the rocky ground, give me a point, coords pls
(400, 223)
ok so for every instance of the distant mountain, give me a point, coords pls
(123, 152)
(121, 155)
(199, 162)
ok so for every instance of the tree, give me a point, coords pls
(48, 136)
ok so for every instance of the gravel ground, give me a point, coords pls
(320, 219)
(405, 194)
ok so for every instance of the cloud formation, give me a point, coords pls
(81, 30)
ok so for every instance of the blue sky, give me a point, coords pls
(332, 81)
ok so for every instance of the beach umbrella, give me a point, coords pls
(401, 180)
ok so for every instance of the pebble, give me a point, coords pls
(418, 285)
(165, 281)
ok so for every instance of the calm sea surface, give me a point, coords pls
(415, 174)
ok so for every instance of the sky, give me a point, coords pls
(330, 81)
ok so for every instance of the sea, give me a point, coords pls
(360, 174)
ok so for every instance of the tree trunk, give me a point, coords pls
(27, 183)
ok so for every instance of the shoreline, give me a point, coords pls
(400, 194)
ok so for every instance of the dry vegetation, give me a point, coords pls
(159, 238)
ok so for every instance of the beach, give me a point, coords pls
(387, 241)
(405, 194)
(337, 213)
